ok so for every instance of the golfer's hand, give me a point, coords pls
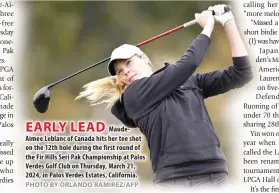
(220, 15)
(205, 19)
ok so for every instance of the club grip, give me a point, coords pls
(227, 9)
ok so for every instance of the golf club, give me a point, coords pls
(41, 99)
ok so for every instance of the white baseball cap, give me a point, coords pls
(124, 51)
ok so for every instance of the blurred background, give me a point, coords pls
(65, 37)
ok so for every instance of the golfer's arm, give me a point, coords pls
(177, 74)
(207, 30)
(237, 46)
(221, 81)
(162, 83)
(236, 76)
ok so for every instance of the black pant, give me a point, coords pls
(202, 180)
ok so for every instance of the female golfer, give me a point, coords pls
(168, 105)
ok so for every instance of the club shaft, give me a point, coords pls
(227, 8)
(138, 45)
(160, 35)
(78, 72)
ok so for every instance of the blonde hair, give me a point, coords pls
(107, 90)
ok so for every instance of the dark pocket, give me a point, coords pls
(188, 136)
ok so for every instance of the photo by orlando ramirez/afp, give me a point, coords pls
(168, 107)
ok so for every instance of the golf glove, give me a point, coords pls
(220, 15)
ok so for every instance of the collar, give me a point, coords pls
(161, 69)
